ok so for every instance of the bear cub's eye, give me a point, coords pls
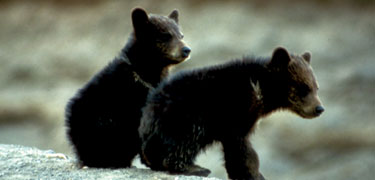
(303, 90)
(165, 37)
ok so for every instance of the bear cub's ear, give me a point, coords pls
(307, 57)
(174, 15)
(280, 58)
(139, 18)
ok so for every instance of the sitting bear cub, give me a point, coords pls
(102, 119)
(222, 103)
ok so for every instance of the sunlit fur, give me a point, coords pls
(303, 94)
(170, 40)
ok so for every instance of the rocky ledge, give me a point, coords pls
(21, 163)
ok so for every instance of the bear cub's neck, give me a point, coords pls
(270, 89)
(146, 61)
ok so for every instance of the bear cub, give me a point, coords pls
(222, 103)
(102, 119)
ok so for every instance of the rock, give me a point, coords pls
(20, 163)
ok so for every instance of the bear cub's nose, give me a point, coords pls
(319, 110)
(185, 51)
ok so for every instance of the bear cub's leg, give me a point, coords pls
(172, 155)
(241, 160)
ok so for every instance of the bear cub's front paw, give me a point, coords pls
(193, 170)
(196, 170)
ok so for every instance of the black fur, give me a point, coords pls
(102, 119)
(216, 104)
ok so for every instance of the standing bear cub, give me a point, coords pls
(102, 119)
(222, 104)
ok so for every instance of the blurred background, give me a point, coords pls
(49, 49)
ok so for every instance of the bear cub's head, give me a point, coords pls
(160, 35)
(300, 82)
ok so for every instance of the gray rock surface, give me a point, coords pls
(21, 163)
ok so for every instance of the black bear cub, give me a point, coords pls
(102, 119)
(222, 104)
